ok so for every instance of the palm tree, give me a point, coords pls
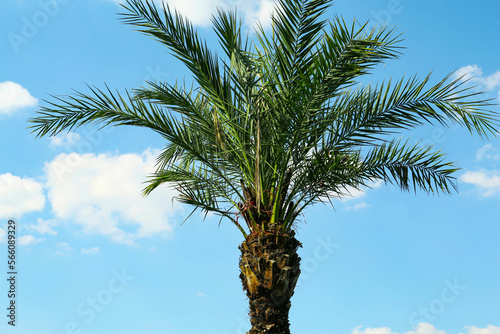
(276, 125)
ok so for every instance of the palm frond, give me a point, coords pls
(366, 115)
(410, 167)
(100, 107)
(177, 33)
(282, 123)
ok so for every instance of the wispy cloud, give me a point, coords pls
(488, 152)
(66, 140)
(474, 74)
(27, 240)
(63, 249)
(379, 330)
(14, 97)
(89, 251)
(357, 207)
(103, 194)
(353, 193)
(43, 226)
(19, 196)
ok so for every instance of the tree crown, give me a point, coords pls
(281, 122)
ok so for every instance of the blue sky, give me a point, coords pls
(96, 257)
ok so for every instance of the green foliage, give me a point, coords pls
(280, 123)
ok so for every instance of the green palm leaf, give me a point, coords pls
(273, 126)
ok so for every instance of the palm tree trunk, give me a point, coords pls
(269, 267)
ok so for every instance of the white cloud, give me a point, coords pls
(19, 196)
(486, 182)
(66, 140)
(27, 240)
(380, 330)
(488, 152)
(63, 245)
(63, 248)
(353, 193)
(87, 251)
(469, 72)
(475, 75)
(357, 207)
(44, 226)
(488, 330)
(103, 194)
(200, 11)
(425, 328)
(255, 11)
(14, 97)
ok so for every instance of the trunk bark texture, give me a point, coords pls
(269, 267)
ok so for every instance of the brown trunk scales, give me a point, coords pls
(269, 267)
